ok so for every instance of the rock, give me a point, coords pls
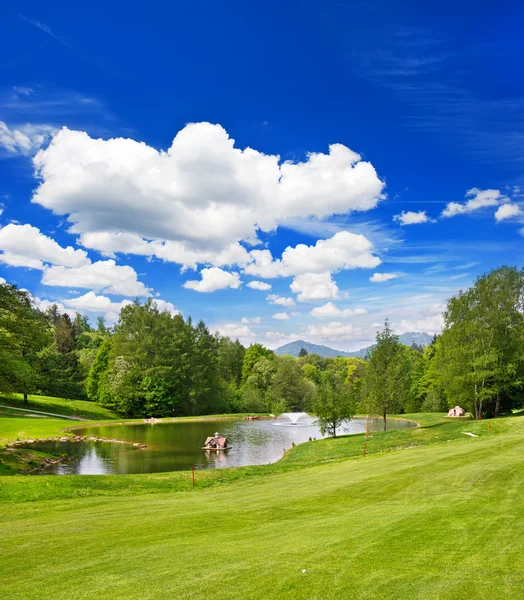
(137, 445)
(64, 439)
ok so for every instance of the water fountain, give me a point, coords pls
(296, 419)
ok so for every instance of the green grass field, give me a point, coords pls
(429, 514)
(60, 406)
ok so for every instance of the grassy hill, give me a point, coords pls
(60, 406)
(443, 520)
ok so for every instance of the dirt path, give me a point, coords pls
(39, 412)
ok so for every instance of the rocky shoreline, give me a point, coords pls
(73, 439)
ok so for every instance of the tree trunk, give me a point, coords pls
(497, 406)
(385, 422)
(26, 401)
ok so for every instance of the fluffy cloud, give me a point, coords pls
(102, 276)
(90, 302)
(23, 139)
(43, 305)
(281, 316)
(248, 320)
(477, 199)
(259, 285)
(274, 299)
(330, 310)
(412, 218)
(26, 246)
(430, 321)
(182, 253)
(314, 286)
(236, 332)
(380, 277)
(202, 192)
(213, 279)
(334, 331)
(345, 250)
(2, 280)
(507, 211)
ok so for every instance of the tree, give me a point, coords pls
(101, 325)
(65, 335)
(479, 352)
(98, 372)
(303, 352)
(253, 354)
(23, 333)
(386, 382)
(332, 404)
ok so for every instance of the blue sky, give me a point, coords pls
(363, 160)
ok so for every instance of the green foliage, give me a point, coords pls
(253, 354)
(387, 381)
(333, 403)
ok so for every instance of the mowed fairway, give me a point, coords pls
(442, 521)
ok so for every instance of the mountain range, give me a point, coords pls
(293, 348)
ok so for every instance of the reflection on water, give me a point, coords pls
(178, 446)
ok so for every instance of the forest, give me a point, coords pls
(151, 363)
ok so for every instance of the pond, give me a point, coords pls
(178, 446)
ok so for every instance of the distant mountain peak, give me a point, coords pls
(293, 348)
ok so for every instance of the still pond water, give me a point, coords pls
(178, 446)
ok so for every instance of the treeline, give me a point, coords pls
(152, 363)
(44, 352)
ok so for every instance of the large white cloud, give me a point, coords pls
(110, 244)
(202, 192)
(213, 279)
(314, 286)
(330, 310)
(345, 250)
(102, 276)
(27, 246)
(477, 199)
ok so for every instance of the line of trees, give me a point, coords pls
(154, 364)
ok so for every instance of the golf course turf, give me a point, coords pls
(430, 513)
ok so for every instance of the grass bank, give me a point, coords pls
(439, 520)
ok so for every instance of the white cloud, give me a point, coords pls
(314, 286)
(430, 321)
(380, 277)
(2, 280)
(102, 276)
(259, 285)
(345, 250)
(334, 331)
(274, 299)
(412, 218)
(330, 310)
(507, 211)
(234, 331)
(281, 316)
(25, 245)
(477, 199)
(43, 305)
(92, 303)
(248, 320)
(202, 192)
(178, 252)
(23, 139)
(213, 279)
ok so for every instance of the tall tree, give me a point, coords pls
(333, 404)
(386, 381)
